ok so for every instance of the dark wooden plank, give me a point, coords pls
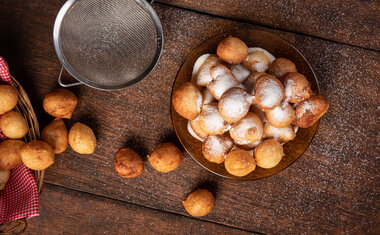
(70, 212)
(333, 188)
(349, 21)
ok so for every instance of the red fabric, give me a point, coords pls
(19, 198)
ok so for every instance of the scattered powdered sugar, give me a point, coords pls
(270, 56)
(271, 93)
(197, 65)
(192, 132)
(207, 96)
(240, 72)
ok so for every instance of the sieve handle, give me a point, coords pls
(66, 85)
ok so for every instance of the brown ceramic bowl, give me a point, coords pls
(279, 48)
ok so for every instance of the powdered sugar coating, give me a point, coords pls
(247, 130)
(234, 104)
(281, 116)
(204, 77)
(207, 96)
(283, 135)
(223, 79)
(240, 72)
(216, 147)
(269, 92)
(196, 67)
(270, 56)
(211, 121)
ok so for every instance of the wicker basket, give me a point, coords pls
(24, 107)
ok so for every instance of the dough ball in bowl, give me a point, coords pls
(297, 87)
(203, 77)
(8, 98)
(234, 104)
(283, 134)
(4, 177)
(10, 154)
(280, 66)
(187, 101)
(268, 153)
(60, 103)
(310, 111)
(196, 127)
(281, 116)
(247, 130)
(56, 134)
(128, 164)
(37, 155)
(269, 92)
(199, 203)
(250, 82)
(13, 125)
(232, 50)
(216, 147)
(210, 120)
(165, 157)
(239, 162)
(82, 139)
(223, 80)
(257, 61)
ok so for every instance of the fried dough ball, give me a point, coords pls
(256, 110)
(232, 50)
(234, 104)
(247, 130)
(297, 87)
(56, 134)
(283, 135)
(207, 96)
(239, 162)
(60, 103)
(204, 73)
(192, 132)
(210, 120)
(199, 203)
(8, 99)
(280, 66)
(310, 111)
(196, 126)
(281, 116)
(216, 147)
(250, 82)
(223, 80)
(82, 139)
(10, 154)
(4, 177)
(256, 61)
(269, 92)
(268, 153)
(13, 125)
(248, 147)
(165, 157)
(187, 101)
(37, 155)
(127, 163)
(240, 72)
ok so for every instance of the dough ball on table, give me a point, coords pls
(57, 135)
(280, 66)
(37, 155)
(82, 139)
(196, 126)
(297, 87)
(216, 147)
(207, 96)
(257, 61)
(240, 72)
(239, 162)
(60, 103)
(13, 125)
(199, 203)
(310, 111)
(283, 134)
(10, 154)
(210, 120)
(250, 82)
(187, 101)
(4, 177)
(223, 80)
(127, 163)
(247, 130)
(281, 116)
(165, 157)
(204, 73)
(232, 50)
(8, 99)
(269, 92)
(268, 153)
(234, 104)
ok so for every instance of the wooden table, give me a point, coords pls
(333, 188)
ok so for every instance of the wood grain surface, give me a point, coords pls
(333, 188)
(347, 21)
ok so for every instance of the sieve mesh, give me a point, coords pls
(108, 43)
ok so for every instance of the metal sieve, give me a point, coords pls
(109, 44)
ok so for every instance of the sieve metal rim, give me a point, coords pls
(82, 80)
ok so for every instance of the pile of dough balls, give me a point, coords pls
(55, 138)
(244, 104)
